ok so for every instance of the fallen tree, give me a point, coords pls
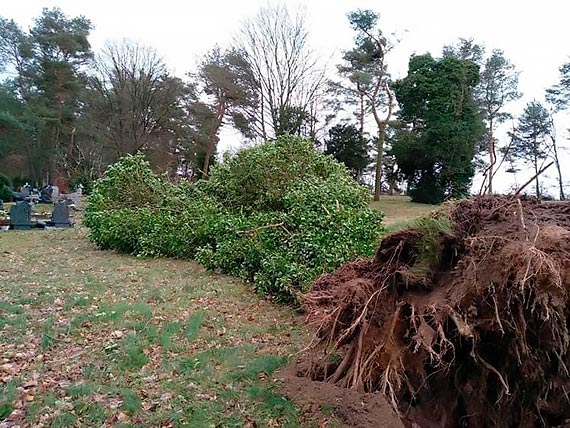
(279, 215)
(461, 320)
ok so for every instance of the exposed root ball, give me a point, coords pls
(469, 328)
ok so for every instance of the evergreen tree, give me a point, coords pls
(440, 127)
(347, 145)
(532, 138)
(365, 67)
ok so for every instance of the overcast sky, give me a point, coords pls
(533, 35)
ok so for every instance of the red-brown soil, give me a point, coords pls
(353, 408)
(468, 327)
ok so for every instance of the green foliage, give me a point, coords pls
(42, 103)
(559, 94)
(5, 191)
(4, 180)
(18, 182)
(257, 179)
(441, 127)
(346, 145)
(129, 183)
(532, 142)
(278, 215)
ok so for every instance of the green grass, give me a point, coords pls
(400, 209)
(92, 338)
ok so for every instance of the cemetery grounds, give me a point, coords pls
(93, 338)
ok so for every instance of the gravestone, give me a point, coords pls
(46, 195)
(60, 215)
(21, 216)
(1, 205)
(23, 193)
(54, 193)
(75, 197)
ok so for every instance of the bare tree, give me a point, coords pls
(286, 75)
(136, 103)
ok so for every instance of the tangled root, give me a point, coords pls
(474, 335)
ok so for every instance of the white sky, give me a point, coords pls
(533, 35)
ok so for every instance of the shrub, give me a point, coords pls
(5, 191)
(278, 214)
(129, 183)
(258, 178)
(18, 182)
(4, 180)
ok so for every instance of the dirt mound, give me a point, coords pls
(462, 321)
(322, 401)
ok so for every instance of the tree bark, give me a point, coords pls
(537, 183)
(381, 134)
(379, 158)
(492, 158)
(220, 113)
(361, 114)
(560, 185)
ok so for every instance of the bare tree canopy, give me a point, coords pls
(286, 73)
(136, 103)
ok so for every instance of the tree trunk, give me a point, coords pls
(380, 148)
(492, 157)
(361, 114)
(537, 185)
(206, 165)
(220, 113)
(262, 111)
(560, 185)
(381, 133)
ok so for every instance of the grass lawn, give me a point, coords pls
(91, 338)
(399, 209)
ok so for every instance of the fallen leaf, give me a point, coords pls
(30, 383)
(123, 417)
(166, 396)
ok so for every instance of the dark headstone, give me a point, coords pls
(1, 205)
(23, 193)
(20, 216)
(46, 195)
(60, 215)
